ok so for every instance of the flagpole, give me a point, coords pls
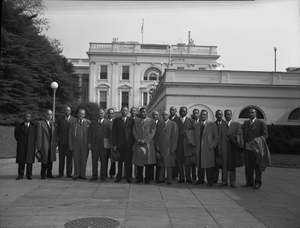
(142, 31)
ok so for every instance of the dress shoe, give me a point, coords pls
(180, 181)
(93, 179)
(199, 182)
(147, 182)
(138, 181)
(83, 178)
(129, 181)
(29, 177)
(247, 185)
(256, 186)
(189, 181)
(158, 182)
(50, 176)
(169, 183)
(209, 184)
(215, 182)
(103, 179)
(233, 186)
(43, 177)
(59, 176)
(70, 176)
(19, 177)
(222, 185)
(75, 178)
(117, 180)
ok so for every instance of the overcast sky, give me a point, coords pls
(245, 32)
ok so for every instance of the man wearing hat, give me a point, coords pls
(166, 138)
(143, 149)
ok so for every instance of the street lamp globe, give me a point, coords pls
(54, 85)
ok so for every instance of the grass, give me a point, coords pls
(8, 150)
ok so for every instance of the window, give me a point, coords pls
(145, 98)
(180, 68)
(103, 72)
(125, 72)
(295, 115)
(152, 74)
(245, 113)
(103, 99)
(125, 99)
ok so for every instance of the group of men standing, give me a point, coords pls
(185, 147)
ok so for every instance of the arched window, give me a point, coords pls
(152, 74)
(245, 113)
(294, 115)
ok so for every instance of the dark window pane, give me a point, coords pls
(125, 99)
(103, 72)
(125, 73)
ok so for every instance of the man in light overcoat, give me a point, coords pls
(143, 133)
(206, 137)
(166, 137)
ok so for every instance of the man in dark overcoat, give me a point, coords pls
(122, 142)
(184, 151)
(25, 135)
(46, 144)
(98, 142)
(231, 138)
(63, 128)
(253, 128)
(166, 137)
(218, 122)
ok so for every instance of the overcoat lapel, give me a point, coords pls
(23, 128)
(45, 126)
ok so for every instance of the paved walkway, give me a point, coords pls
(53, 202)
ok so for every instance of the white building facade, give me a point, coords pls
(124, 74)
(160, 76)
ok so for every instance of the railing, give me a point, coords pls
(123, 47)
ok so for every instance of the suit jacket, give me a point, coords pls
(183, 149)
(43, 140)
(144, 132)
(63, 128)
(122, 132)
(258, 129)
(166, 136)
(93, 137)
(73, 131)
(210, 140)
(26, 143)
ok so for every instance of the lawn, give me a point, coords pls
(8, 150)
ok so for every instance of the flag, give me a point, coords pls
(142, 29)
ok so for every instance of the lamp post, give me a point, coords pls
(169, 59)
(54, 86)
(275, 49)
